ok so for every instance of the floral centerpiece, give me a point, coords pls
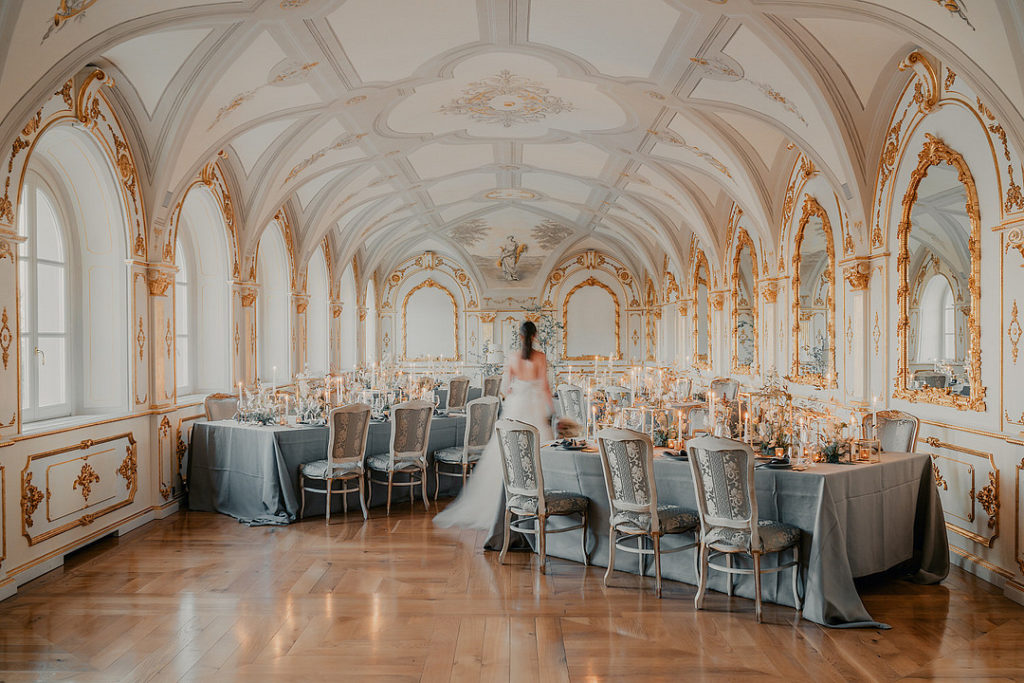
(834, 448)
(258, 407)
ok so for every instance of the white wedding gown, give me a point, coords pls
(481, 503)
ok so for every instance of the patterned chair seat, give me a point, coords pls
(453, 455)
(381, 462)
(775, 536)
(319, 469)
(557, 503)
(671, 520)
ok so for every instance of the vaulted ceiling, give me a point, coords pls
(397, 125)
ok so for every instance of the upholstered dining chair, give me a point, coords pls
(458, 393)
(897, 430)
(571, 403)
(723, 478)
(481, 414)
(346, 447)
(526, 500)
(627, 458)
(492, 385)
(684, 386)
(407, 454)
(725, 388)
(619, 395)
(220, 406)
(698, 421)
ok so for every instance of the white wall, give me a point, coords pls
(317, 314)
(272, 325)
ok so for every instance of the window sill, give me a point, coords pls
(64, 423)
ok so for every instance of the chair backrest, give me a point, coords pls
(628, 460)
(897, 430)
(723, 478)
(620, 395)
(684, 386)
(519, 444)
(492, 385)
(570, 401)
(458, 392)
(410, 429)
(349, 426)
(698, 420)
(481, 414)
(220, 407)
(725, 388)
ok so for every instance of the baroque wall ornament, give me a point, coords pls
(31, 497)
(926, 88)
(86, 478)
(858, 276)
(6, 337)
(1013, 332)
(506, 99)
(935, 152)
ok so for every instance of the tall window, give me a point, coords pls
(182, 369)
(948, 324)
(43, 271)
(938, 322)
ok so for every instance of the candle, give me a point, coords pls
(273, 381)
(239, 394)
(746, 425)
(874, 416)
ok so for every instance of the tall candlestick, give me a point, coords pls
(273, 381)
(239, 394)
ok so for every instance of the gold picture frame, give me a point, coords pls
(811, 207)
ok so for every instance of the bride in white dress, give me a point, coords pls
(481, 503)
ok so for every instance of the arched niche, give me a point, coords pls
(318, 313)
(274, 319)
(814, 299)
(746, 343)
(701, 288)
(587, 310)
(430, 323)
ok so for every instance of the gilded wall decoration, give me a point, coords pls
(926, 87)
(289, 73)
(671, 138)
(159, 281)
(506, 99)
(140, 338)
(770, 293)
(129, 468)
(86, 478)
(31, 497)
(950, 78)
(987, 496)
(6, 337)
(66, 11)
(886, 166)
(858, 276)
(876, 333)
(593, 282)
(429, 282)
(811, 207)
(1013, 332)
(935, 152)
(849, 335)
(717, 67)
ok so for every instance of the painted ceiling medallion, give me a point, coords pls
(673, 139)
(507, 99)
(510, 193)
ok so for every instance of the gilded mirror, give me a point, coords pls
(939, 270)
(701, 312)
(744, 305)
(814, 290)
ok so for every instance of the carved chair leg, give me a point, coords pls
(611, 554)
(508, 534)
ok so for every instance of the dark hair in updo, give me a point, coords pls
(527, 331)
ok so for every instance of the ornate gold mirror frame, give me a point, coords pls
(743, 241)
(813, 208)
(700, 262)
(589, 282)
(933, 153)
(429, 282)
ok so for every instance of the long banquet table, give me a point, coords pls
(857, 520)
(252, 472)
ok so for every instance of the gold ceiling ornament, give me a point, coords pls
(290, 72)
(591, 282)
(717, 67)
(935, 152)
(926, 89)
(950, 78)
(811, 207)
(346, 141)
(429, 282)
(955, 7)
(743, 241)
(701, 361)
(66, 10)
(671, 138)
(858, 275)
(86, 478)
(1013, 332)
(506, 99)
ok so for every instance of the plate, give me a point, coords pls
(778, 465)
(681, 457)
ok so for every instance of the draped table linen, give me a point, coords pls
(251, 472)
(857, 520)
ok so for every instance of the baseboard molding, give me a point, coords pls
(978, 566)
(1014, 590)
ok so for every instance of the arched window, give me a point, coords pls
(43, 270)
(183, 351)
(938, 322)
(317, 330)
(273, 321)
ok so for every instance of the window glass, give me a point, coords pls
(48, 242)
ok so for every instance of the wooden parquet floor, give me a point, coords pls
(199, 596)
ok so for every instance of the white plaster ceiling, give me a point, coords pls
(384, 124)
